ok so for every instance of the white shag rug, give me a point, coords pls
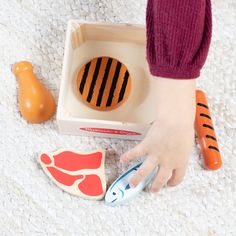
(30, 204)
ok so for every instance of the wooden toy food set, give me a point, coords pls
(107, 91)
(83, 174)
(105, 69)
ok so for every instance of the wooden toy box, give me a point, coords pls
(125, 42)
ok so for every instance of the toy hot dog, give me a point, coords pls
(206, 134)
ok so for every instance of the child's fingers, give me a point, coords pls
(177, 176)
(161, 179)
(138, 151)
(144, 170)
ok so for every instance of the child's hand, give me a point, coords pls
(168, 143)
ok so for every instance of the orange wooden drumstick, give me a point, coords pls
(36, 102)
(206, 134)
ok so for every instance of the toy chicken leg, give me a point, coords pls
(36, 103)
(206, 133)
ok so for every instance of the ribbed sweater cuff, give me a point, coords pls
(178, 37)
(174, 72)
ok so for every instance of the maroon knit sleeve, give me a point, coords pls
(178, 37)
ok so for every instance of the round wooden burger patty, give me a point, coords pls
(104, 83)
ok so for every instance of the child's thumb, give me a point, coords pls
(138, 151)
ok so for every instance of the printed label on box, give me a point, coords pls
(110, 131)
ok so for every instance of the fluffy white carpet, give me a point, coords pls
(204, 204)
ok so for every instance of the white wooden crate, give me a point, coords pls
(125, 42)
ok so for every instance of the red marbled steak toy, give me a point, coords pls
(81, 174)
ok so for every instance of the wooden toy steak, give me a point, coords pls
(104, 83)
(81, 174)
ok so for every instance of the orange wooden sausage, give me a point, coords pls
(206, 134)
